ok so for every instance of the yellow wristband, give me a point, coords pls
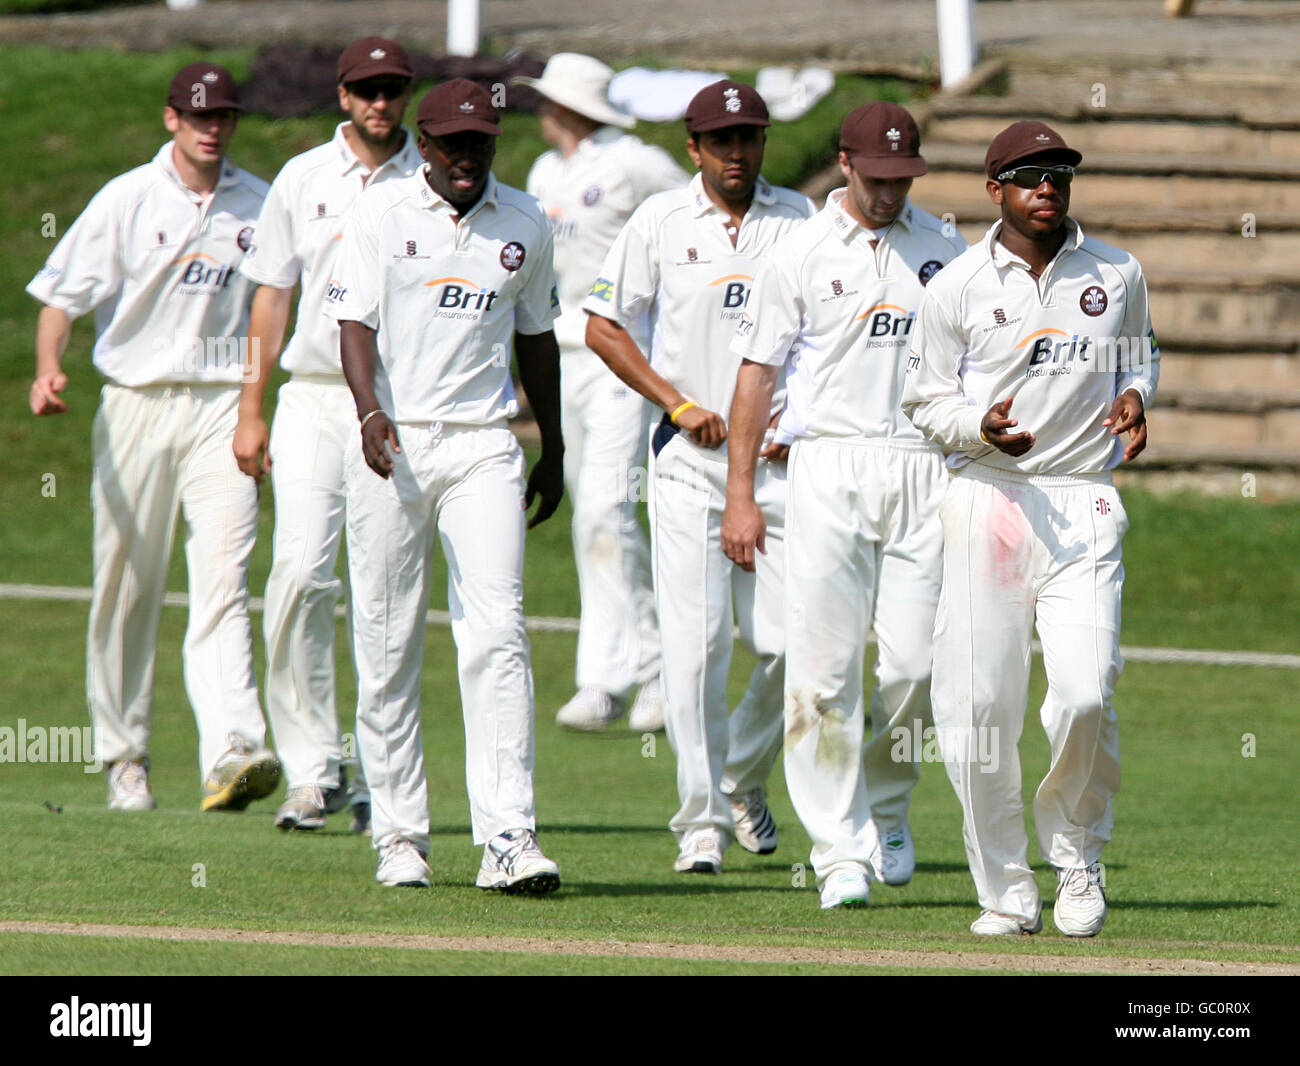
(684, 407)
(983, 437)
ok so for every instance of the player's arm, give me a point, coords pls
(1136, 380)
(267, 321)
(620, 353)
(538, 358)
(360, 355)
(53, 330)
(744, 530)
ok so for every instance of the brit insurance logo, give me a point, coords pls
(203, 274)
(1055, 353)
(462, 299)
(735, 294)
(887, 324)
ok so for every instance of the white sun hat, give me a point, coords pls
(580, 83)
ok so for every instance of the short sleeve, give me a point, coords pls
(272, 260)
(85, 268)
(628, 281)
(771, 325)
(352, 294)
(538, 303)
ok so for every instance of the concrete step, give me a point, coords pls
(1223, 304)
(1241, 377)
(1165, 455)
(1276, 432)
(1187, 163)
(1221, 402)
(1007, 109)
(1171, 137)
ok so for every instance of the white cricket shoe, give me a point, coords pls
(1080, 908)
(846, 888)
(701, 852)
(894, 856)
(303, 808)
(513, 863)
(647, 714)
(591, 710)
(991, 923)
(128, 786)
(401, 864)
(755, 829)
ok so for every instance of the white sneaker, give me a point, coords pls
(991, 923)
(513, 863)
(755, 830)
(701, 852)
(647, 714)
(846, 888)
(242, 774)
(402, 864)
(1080, 908)
(591, 710)
(303, 808)
(128, 787)
(894, 856)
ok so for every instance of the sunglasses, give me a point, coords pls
(372, 88)
(1032, 177)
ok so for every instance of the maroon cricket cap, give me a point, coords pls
(369, 57)
(1023, 140)
(723, 104)
(204, 87)
(455, 106)
(882, 141)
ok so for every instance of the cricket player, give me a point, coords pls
(688, 258)
(590, 184)
(156, 255)
(834, 301)
(439, 277)
(297, 243)
(1032, 353)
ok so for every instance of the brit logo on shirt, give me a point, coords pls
(1103, 508)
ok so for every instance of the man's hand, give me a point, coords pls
(1128, 414)
(743, 531)
(546, 479)
(45, 393)
(377, 436)
(706, 428)
(995, 426)
(252, 446)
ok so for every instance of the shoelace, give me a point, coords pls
(132, 777)
(1079, 882)
(518, 846)
(754, 802)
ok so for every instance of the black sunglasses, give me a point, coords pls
(371, 88)
(1059, 175)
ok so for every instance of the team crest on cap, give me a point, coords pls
(245, 238)
(928, 270)
(591, 196)
(512, 256)
(732, 102)
(210, 76)
(1094, 301)
(466, 107)
(378, 53)
(1042, 138)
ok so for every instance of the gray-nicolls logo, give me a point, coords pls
(75, 1018)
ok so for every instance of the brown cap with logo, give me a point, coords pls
(723, 104)
(456, 106)
(1024, 140)
(369, 57)
(204, 87)
(882, 141)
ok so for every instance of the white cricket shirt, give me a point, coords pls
(159, 265)
(675, 261)
(298, 238)
(841, 312)
(1063, 347)
(446, 297)
(588, 198)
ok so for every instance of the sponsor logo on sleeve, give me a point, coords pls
(555, 298)
(603, 289)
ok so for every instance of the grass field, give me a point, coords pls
(1201, 867)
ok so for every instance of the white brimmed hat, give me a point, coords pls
(580, 83)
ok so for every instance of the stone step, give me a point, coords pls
(1276, 432)
(1225, 305)
(1127, 137)
(1224, 402)
(1187, 163)
(1243, 375)
(1004, 110)
(1164, 455)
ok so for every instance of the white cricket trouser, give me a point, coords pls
(1020, 550)
(605, 426)
(466, 484)
(157, 449)
(863, 545)
(695, 585)
(315, 421)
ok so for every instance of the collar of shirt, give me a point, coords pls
(431, 200)
(1003, 256)
(763, 196)
(229, 173)
(348, 161)
(847, 226)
